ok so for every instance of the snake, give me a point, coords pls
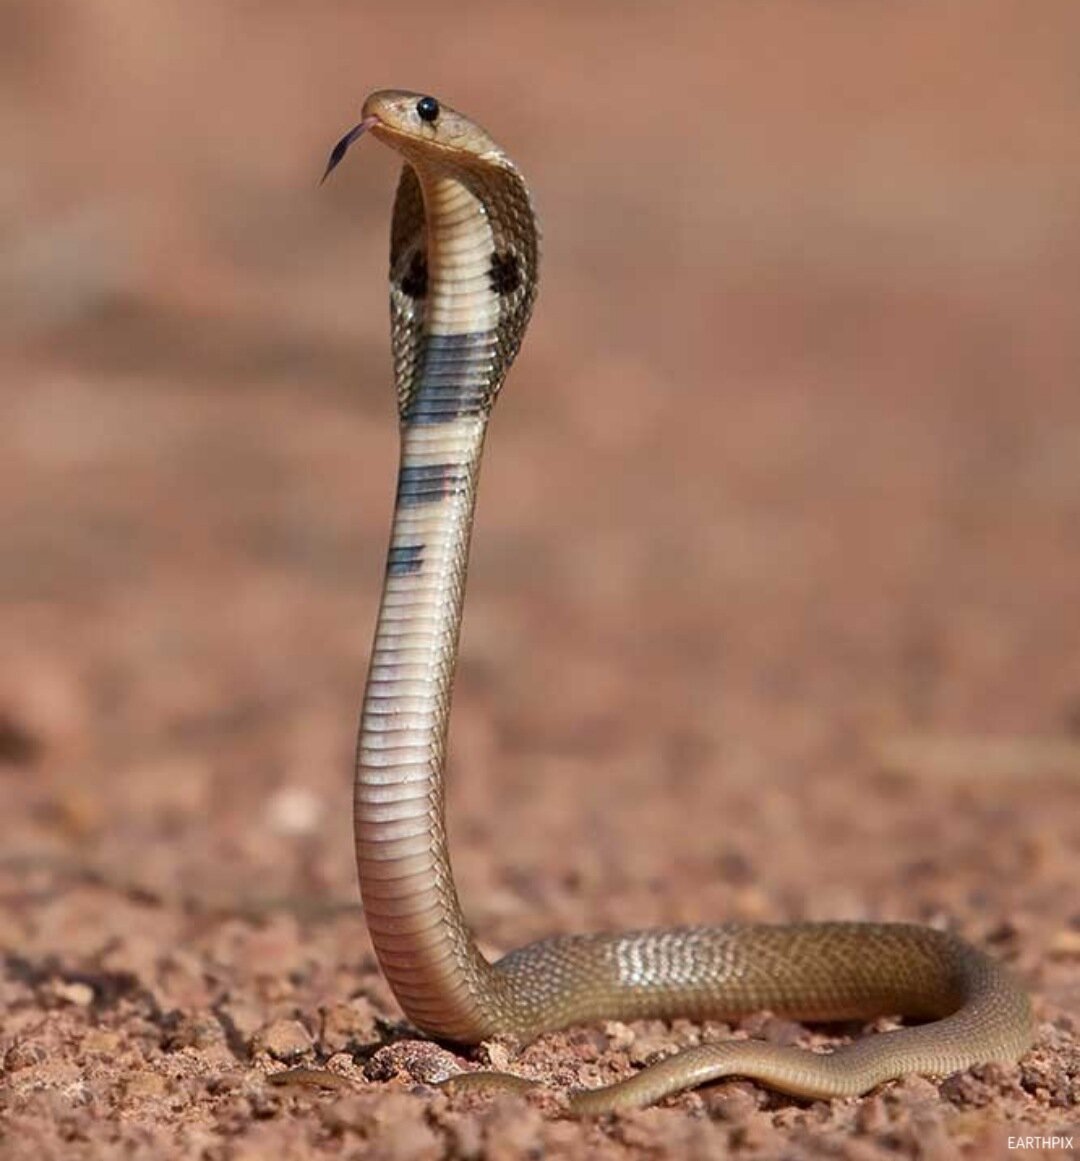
(464, 262)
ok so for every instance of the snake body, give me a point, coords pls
(463, 277)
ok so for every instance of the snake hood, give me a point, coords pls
(464, 254)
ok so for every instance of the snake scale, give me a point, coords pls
(464, 256)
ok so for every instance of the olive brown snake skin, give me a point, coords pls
(463, 277)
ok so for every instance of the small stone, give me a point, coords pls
(294, 811)
(588, 1044)
(650, 1047)
(419, 1061)
(495, 1055)
(732, 1101)
(284, 1040)
(1064, 943)
(241, 1018)
(79, 994)
(751, 903)
(620, 1036)
(190, 1030)
(348, 1026)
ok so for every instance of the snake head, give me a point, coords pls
(426, 131)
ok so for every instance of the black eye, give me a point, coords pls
(427, 109)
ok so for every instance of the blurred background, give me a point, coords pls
(780, 525)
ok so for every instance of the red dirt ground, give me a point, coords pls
(773, 611)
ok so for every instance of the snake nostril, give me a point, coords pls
(427, 109)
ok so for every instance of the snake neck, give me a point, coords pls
(449, 373)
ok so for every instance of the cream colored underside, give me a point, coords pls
(460, 246)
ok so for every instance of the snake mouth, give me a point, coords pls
(342, 147)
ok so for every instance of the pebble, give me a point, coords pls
(284, 1040)
(420, 1061)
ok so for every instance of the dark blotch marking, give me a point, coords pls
(405, 559)
(414, 283)
(454, 379)
(505, 272)
(426, 483)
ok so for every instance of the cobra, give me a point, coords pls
(464, 250)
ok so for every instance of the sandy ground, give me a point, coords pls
(773, 607)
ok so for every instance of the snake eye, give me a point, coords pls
(427, 109)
